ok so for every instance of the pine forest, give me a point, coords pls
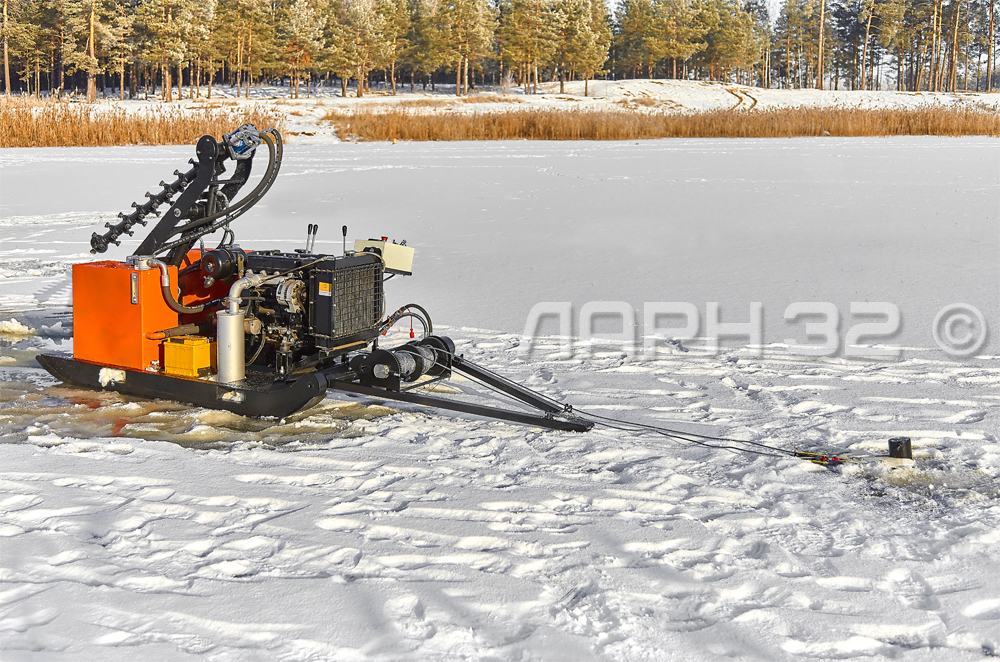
(176, 48)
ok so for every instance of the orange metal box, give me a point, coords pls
(114, 307)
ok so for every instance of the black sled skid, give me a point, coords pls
(260, 394)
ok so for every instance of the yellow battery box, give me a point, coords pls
(191, 356)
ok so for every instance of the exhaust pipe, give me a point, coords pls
(231, 350)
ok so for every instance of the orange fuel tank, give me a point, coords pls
(114, 306)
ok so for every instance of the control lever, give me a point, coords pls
(311, 240)
(309, 232)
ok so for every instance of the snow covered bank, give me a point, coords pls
(359, 531)
(304, 121)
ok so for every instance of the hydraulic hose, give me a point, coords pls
(404, 312)
(182, 330)
(217, 220)
(168, 294)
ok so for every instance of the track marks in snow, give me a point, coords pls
(459, 537)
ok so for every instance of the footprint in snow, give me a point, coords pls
(408, 615)
(967, 416)
(809, 541)
(542, 376)
(910, 589)
(983, 610)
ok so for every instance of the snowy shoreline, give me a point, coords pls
(304, 123)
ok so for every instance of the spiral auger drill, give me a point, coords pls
(260, 332)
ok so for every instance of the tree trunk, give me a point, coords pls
(918, 67)
(900, 68)
(938, 64)
(6, 59)
(343, 87)
(822, 32)
(168, 85)
(239, 66)
(788, 59)
(953, 65)
(91, 46)
(990, 58)
(249, 70)
(864, 53)
(968, 29)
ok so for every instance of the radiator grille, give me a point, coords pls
(357, 298)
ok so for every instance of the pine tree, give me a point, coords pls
(366, 47)
(593, 51)
(161, 26)
(425, 53)
(530, 34)
(119, 42)
(572, 26)
(396, 35)
(299, 38)
(682, 28)
(245, 34)
(465, 30)
(638, 35)
(730, 40)
(85, 22)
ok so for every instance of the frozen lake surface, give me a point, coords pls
(358, 531)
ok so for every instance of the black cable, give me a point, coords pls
(639, 428)
(665, 433)
(688, 436)
(260, 348)
(288, 271)
(227, 238)
(670, 434)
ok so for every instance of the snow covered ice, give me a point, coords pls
(365, 530)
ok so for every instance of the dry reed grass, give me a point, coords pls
(444, 101)
(545, 124)
(64, 124)
(491, 98)
(423, 103)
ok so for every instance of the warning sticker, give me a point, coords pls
(325, 289)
